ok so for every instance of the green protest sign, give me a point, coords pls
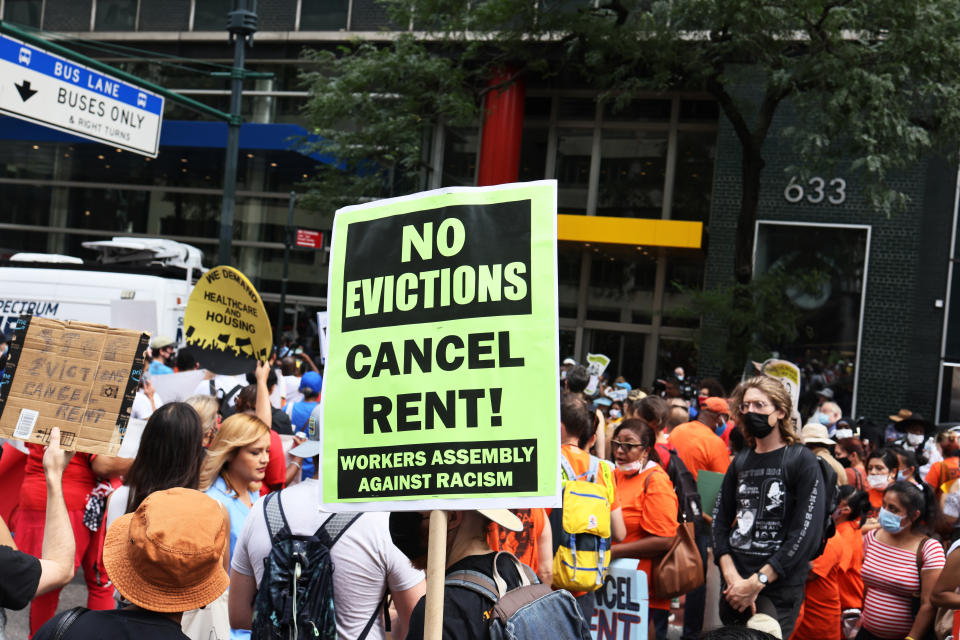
(441, 374)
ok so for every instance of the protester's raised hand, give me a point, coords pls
(148, 389)
(263, 370)
(55, 459)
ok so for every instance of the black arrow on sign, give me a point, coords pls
(25, 91)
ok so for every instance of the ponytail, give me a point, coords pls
(858, 501)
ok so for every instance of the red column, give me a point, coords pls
(502, 131)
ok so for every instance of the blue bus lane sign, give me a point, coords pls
(52, 91)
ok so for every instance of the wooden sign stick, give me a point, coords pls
(436, 575)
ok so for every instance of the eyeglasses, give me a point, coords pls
(758, 406)
(626, 446)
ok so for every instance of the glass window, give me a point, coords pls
(684, 271)
(460, 157)
(693, 182)
(625, 350)
(536, 108)
(632, 173)
(673, 353)
(116, 15)
(577, 109)
(323, 15)
(638, 111)
(699, 111)
(533, 154)
(573, 169)
(621, 286)
(211, 15)
(568, 277)
(828, 307)
(23, 12)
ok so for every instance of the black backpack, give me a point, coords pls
(828, 477)
(295, 597)
(690, 507)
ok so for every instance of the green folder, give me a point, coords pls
(708, 486)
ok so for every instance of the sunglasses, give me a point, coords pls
(626, 446)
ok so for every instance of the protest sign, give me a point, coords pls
(177, 387)
(227, 325)
(323, 329)
(441, 372)
(789, 375)
(622, 611)
(131, 438)
(77, 376)
(597, 363)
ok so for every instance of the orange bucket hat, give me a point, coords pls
(167, 556)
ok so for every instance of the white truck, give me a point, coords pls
(134, 283)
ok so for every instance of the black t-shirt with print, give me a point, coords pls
(463, 609)
(21, 575)
(771, 515)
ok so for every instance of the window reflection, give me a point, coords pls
(632, 173)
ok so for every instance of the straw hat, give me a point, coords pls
(167, 555)
(765, 623)
(901, 415)
(815, 433)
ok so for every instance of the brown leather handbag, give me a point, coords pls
(680, 569)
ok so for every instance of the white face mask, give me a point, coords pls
(915, 439)
(629, 467)
(878, 480)
(843, 433)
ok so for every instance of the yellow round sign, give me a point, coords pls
(227, 328)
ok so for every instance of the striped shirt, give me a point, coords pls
(891, 579)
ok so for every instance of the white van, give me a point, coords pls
(135, 283)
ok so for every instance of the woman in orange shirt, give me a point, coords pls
(852, 509)
(649, 506)
(882, 469)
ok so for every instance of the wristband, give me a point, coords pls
(299, 466)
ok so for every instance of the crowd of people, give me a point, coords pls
(838, 528)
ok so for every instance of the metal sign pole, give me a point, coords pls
(242, 25)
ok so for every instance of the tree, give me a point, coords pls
(876, 83)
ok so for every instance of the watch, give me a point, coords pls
(762, 577)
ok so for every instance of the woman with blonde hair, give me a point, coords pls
(208, 409)
(236, 458)
(768, 522)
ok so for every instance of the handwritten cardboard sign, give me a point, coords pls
(77, 376)
(623, 605)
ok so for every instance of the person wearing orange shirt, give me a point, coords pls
(577, 435)
(948, 469)
(852, 509)
(881, 472)
(819, 617)
(650, 508)
(697, 442)
(533, 546)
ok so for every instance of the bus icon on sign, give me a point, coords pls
(24, 56)
(142, 100)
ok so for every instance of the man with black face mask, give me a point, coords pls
(768, 522)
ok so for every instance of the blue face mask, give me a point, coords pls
(890, 522)
(902, 476)
(615, 414)
(822, 418)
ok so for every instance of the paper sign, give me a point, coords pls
(131, 439)
(622, 611)
(597, 363)
(227, 325)
(323, 328)
(77, 376)
(138, 315)
(177, 387)
(440, 383)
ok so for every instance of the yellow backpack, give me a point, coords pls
(582, 539)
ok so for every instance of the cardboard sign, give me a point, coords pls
(77, 376)
(227, 325)
(622, 611)
(440, 382)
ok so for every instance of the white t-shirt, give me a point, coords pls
(366, 559)
(117, 504)
(141, 409)
(291, 385)
(223, 384)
